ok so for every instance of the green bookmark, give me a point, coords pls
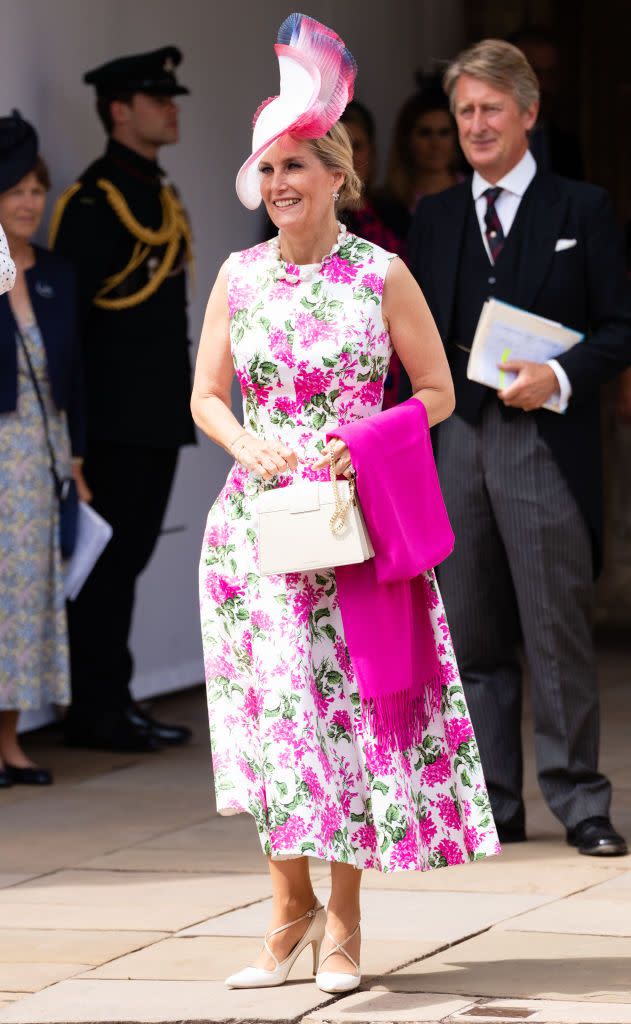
(504, 359)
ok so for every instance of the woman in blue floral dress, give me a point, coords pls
(308, 322)
(37, 325)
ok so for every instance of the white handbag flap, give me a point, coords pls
(303, 499)
(305, 496)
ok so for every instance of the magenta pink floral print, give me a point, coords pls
(288, 741)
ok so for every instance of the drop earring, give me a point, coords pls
(335, 196)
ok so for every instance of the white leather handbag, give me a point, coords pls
(311, 525)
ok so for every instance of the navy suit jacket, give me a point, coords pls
(51, 287)
(584, 287)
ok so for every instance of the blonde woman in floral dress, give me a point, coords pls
(308, 323)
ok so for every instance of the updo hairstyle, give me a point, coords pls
(336, 153)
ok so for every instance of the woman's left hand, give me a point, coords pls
(342, 465)
(84, 492)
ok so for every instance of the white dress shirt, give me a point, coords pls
(514, 185)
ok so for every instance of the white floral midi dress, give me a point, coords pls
(288, 741)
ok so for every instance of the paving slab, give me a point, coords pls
(444, 917)
(154, 1002)
(32, 977)
(99, 917)
(207, 958)
(616, 887)
(139, 888)
(518, 965)
(216, 844)
(7, 879)
(577, 915)
(215, 832)
(33, 842)
(124, 900)
(550, 876)
(181, 772)
(543, 1012)
(78, 916)
(237, 861)
(7, 998)
(369, 1007)
(222, 843)
(33, 945)
(139, 858)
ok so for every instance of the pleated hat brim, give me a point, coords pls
(317, 74)
(299, 90)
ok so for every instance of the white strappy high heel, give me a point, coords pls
(258, 977)
(335, 981)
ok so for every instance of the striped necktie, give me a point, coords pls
(494, 233)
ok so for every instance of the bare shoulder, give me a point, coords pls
(398, 274)
(217, 305)
(221, 281)
(399, 286)
(224, 270)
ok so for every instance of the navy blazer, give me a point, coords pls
(51, 287)
(584, 286)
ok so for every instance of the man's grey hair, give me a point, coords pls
(500, 64)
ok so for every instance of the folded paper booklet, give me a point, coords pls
(505, 333)
(93, 535)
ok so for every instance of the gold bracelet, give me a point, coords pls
(243, 433)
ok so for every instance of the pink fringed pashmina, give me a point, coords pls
(383, 601)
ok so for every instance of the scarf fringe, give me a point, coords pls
(399, 720)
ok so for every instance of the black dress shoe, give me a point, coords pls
(28, 776)
(172, 735)
(110, 730)
(5, 781)
(596, 837)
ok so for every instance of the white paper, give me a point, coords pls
(504, 343)
(93, 536)
(506, 333)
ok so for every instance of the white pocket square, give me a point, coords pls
(564, 243)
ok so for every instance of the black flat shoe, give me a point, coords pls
(596, 837)
(5, 781)
(28, 776)
(109, 731)
(172, 735)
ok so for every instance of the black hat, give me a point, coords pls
(18, 149)
(152, 73)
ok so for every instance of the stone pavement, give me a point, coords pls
(125, 898)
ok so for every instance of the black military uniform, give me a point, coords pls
(128, 236)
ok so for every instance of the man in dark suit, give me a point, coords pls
(127, 234)
(523, 484)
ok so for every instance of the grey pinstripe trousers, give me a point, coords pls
(521, 574)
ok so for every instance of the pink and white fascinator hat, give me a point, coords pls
(317, 74)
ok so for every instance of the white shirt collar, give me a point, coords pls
(516, 181)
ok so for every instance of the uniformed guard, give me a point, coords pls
(127, 233)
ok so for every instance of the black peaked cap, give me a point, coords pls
(152, 73)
